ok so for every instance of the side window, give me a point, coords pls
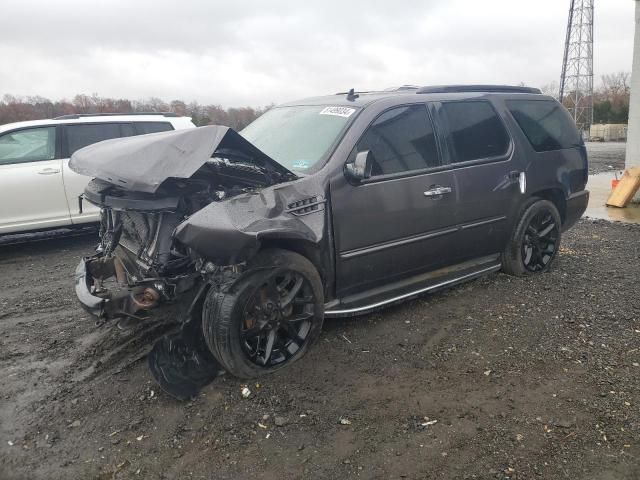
(401, 140)
(153, 127)
(546, 124)
(79, 136)
(28, 145)
(476, 130)
(127, 129)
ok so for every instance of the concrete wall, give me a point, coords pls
(633, 132)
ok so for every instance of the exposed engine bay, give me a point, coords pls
(137, 245)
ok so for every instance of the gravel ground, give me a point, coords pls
(606, 156)
(503, 377)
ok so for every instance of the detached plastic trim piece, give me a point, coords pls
(92, 304)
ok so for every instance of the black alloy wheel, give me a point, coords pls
(535, 241)
(540, 241)
(268, 318)
(277, 318)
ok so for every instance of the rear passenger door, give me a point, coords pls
(77, 136)
(486, 170)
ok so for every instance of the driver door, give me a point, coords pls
(392, 225)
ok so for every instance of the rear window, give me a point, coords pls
(547, 125)
(476, 130)
(153, 127)
(79, 136)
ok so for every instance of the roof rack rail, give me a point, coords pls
(401, 88)
(478, 88)
(82, 115)
(347, 93)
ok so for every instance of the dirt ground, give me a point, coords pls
(499, 378)
(508, 378)
(606, 156)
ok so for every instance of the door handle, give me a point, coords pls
(437, 190)
(49, 171)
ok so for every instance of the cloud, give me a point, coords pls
(256, 52)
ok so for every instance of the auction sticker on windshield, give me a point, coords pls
(301, 165)
(338, 111)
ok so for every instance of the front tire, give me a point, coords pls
(269, 317)
(535, 241)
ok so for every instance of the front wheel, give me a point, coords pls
(535, 241)
(268, 318)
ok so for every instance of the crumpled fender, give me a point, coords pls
(231, 231)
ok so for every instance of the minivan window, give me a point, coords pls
(401, 140)
(28, 145)
(298, 137)
(127, 130)
(476, 130)
(547, 125)
(153, 127)
(79, 136)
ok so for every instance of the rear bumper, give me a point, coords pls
(576, 206)
(91, 303)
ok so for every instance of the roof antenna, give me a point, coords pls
(352, 95)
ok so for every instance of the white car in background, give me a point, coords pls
(37, 188)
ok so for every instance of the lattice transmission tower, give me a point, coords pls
(576, 82)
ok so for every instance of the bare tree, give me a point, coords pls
(15, 109)
(616, 84)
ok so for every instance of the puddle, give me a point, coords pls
(600, 187)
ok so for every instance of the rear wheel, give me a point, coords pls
(270, 316)
(535, 241)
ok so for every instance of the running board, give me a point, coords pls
(362, 309)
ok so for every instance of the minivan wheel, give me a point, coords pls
(268, 318)
(535, 241)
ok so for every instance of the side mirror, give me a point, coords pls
(360, 169)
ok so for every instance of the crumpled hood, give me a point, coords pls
(143, 162)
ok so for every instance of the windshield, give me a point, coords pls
(298, 137)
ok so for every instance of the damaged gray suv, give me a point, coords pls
(326, 207)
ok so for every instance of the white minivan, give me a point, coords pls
(37, 188)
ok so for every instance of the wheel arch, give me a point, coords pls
(320, 258)
(556, 196)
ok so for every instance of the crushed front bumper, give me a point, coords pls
(118, 302)
(84, 282)
(121, 299)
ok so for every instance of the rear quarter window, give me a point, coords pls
(546, 124)
(476, 131)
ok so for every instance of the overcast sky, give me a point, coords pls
(255, 52)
